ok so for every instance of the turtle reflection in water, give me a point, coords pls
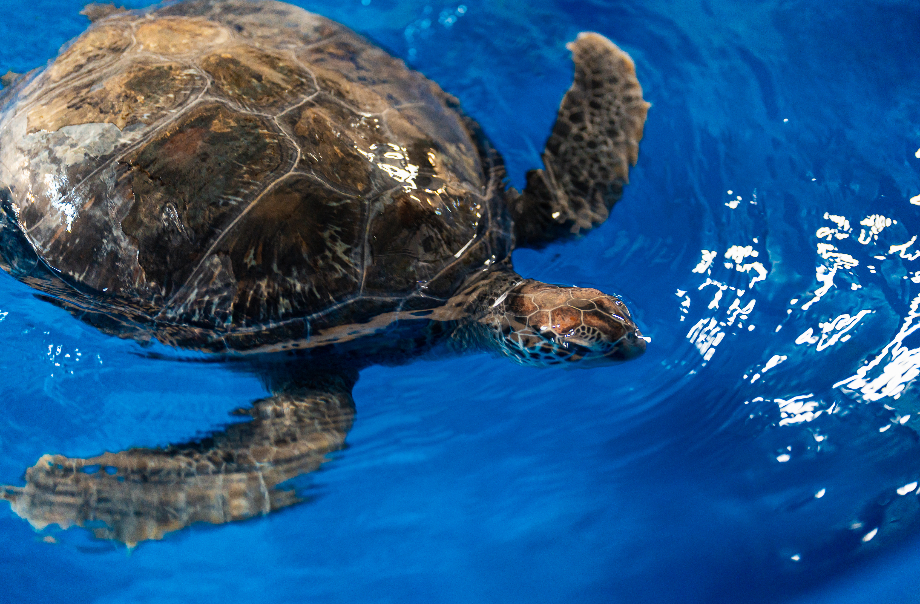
(261, 183)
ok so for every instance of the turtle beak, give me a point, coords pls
(590, 354)
(630, 346)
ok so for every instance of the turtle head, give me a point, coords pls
(542, 324)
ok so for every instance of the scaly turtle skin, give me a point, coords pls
(255, 181)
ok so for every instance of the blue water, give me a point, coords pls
(758, 452)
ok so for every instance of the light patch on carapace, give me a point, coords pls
(179, 36)
(142, 93)
(92, 50)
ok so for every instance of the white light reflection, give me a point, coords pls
(830, 252)
(832, 331)
(721, 287)
(841, 232)
(894, 368)
(59, 358)
(706, 262)
(738, 253)
(684, 303)
(908, 488)
(824, 276)
(902, 249)
(706, 335)
(876, 223)
(465, 247)
(773, 362)
(709, 331)
(58, 189)
(394, 160)
(736, 201)
(797, 409)
(838, 260)
(871, 229)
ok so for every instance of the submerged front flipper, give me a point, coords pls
(587, 157)
(142, 494)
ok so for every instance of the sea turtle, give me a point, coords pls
(261, 183)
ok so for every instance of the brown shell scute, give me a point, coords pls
(98, 47)
(142, 93)
(296, 250)
(257, 79)
(179, 36)
(190, 182)
(329, 137)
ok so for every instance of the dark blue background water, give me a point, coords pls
(757, 452)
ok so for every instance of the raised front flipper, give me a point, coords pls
(142, 494)
(587, 157)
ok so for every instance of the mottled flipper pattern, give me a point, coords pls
(588, 155)
(142, 494)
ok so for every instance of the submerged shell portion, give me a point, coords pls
(234, 175)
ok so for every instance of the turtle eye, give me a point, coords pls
(613, 306)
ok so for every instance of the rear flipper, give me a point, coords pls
(587, 157)
(142, 494)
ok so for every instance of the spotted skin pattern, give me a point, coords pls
(587, 157)
(546, 324)
(254, 181)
